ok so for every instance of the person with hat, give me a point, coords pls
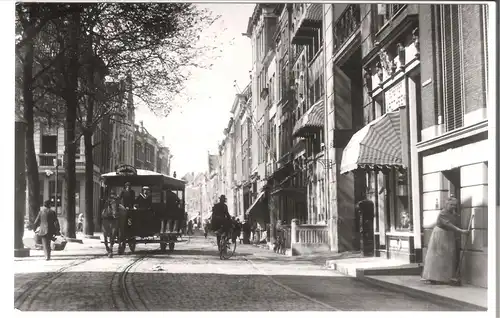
(127, 196)
(49, 226)
(144, 200)
(221, 220)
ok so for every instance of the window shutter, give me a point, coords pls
(452, 67)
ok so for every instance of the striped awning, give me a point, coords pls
(376, 145)
(312, 120)
(314, 13)
(257, 200)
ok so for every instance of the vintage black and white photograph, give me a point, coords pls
(254, 157)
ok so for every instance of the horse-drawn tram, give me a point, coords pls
(141, 206)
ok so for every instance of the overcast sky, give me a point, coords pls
(198, 127)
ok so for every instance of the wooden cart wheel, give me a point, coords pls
(131, 245)
(171, 246)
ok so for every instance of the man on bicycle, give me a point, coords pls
(221, 220)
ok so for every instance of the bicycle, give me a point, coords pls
(226, 251)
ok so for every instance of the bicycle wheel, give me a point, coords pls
(222, 246)
(229, 248)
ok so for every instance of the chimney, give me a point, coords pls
(175, 174)
(163, 140)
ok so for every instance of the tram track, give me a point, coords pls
(125, 295)
(275, 282)
(288, 288)
(24, 301)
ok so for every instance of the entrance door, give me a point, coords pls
(453, 177)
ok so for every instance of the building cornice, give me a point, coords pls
(453, 136)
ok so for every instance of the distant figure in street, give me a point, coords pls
(144, 200)
(440, 260)
(190, 228)
(79, 227)
(49, 226)
(127, 196)
(205, 228)
(246, 232)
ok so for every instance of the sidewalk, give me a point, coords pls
(405, 278)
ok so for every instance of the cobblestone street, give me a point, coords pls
(192, 278)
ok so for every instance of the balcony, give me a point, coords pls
(347, 24)
(306, 22)
(46, 160)
(298, 49)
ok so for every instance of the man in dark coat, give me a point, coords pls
(49, 226)
(171, 213)
(221, 220)
(127, 196)
(144, 200)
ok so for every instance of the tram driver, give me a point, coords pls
(127, 196)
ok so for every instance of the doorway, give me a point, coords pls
(453, 178)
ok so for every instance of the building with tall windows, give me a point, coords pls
(378, 102)
(451, 127)
(424, 126)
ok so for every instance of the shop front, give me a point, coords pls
(382, 150)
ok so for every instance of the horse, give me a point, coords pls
(113, 216)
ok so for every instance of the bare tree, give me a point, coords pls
(31, 18)
(153, 45)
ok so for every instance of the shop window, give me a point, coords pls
(402, 214)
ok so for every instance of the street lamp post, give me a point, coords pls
(56, 165)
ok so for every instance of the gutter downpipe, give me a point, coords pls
(326, 132)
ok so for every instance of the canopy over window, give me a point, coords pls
(378, 144)
(311, 121)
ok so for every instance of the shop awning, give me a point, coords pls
(259, 197)
(311, 121)
(378, 144)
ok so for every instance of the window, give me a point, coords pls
(402, 214)
(385, 13)
(449, 43)
(49, 144)
(485, 21)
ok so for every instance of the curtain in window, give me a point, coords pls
(452, 66)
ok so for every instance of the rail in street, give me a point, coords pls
(193, 278)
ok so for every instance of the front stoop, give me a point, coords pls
(405, 278)
(466, 297)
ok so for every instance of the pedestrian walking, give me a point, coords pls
(205, 229)
(49, 227)
(79, 227)
(441, 258)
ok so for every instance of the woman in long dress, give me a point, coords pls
(440, 260)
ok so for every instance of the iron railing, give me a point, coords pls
(346, 25)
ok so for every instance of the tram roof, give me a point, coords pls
(144, 177)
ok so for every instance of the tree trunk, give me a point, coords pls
(31, 162)
(88, 227)
(71, 108)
